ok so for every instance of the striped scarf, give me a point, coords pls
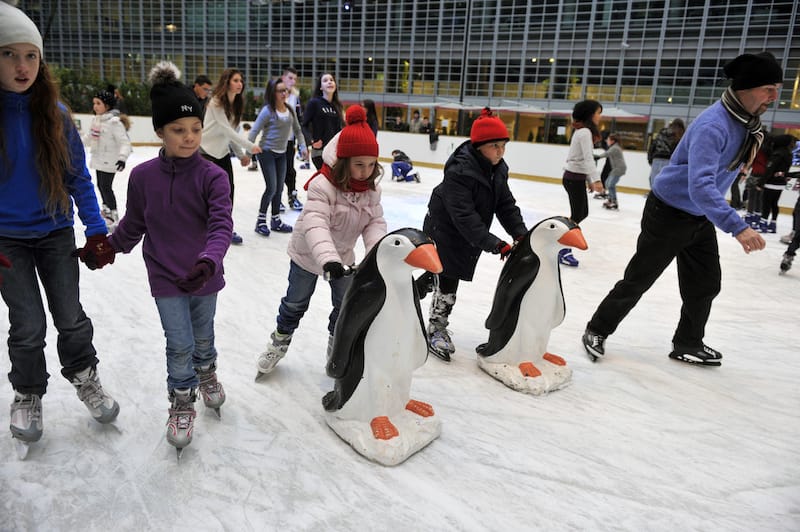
(749, 148)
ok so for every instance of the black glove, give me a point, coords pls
(97, 252)
(5, 263)
(120, 166)
(333, 270)
(503, 249)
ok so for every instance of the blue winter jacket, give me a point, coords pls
(697, 176)
(23, 213)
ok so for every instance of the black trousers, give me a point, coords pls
(668, 233)
(104, 182)
(578, 202)
(291, 174)
(225, 164)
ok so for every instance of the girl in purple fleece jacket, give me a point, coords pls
(180, 203)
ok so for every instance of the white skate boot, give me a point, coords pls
(276, 350)
(180, 424)
(103, 407)
(26, 421)
(210, 388)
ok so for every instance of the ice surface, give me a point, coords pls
(636, 442)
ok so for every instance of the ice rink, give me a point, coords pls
(637, 442)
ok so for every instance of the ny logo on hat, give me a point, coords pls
(186, 108)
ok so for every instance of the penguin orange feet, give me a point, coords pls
(420, 408)
(529, 370)
(554, 359)
(383, 429)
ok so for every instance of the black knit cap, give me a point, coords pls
(170, 98)
(107, 98)
(753, 70)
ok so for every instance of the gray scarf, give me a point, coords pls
(749, 148)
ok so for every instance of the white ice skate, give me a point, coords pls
(180, 424)
(26, 421)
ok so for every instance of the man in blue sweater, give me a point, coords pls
(687, 201)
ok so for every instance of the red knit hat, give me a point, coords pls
(487, 128)
(356, 139)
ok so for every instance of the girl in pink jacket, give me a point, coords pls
(344, 202)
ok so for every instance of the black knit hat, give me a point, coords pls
(753, 70)
(170, 98)
(107, 98)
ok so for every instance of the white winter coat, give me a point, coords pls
(108, 142)
(331, 222)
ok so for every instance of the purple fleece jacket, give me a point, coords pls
(182, 207)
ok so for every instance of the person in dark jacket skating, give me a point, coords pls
(460, 212)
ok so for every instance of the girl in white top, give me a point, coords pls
(222, 117)
(581, 167)
(110, 147)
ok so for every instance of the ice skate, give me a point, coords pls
(701, 355)
(787, 238)
(26, 421)
(210, 388)
(439, 343)
(278, 226)
(786, 263)
(594, 344)
(276, 350)
(566, 258)
(294, 203)
(180, 424)
(103, 407)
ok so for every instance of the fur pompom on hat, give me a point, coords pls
(107, 98)
(16, 28)
(487, 128)
(356, 139)
(749, 71)
(170, 98)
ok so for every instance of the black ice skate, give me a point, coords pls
(702, 356)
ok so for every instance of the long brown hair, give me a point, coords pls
(235, 110)
(51, 145)
(340, 175)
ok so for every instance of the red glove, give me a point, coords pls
(197, 277)
(502, 248)
(5, 263)
(97, 252)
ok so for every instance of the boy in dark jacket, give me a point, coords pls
(460, 212)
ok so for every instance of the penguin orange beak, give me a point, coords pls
(425, 257)
(573, 238)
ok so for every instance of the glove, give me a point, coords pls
(424, 284)
(120, 166)
(5, 263)
(502, 248)
(197, 277)
(333, 270)
(97, 252)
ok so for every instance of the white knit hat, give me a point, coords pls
(16, 27)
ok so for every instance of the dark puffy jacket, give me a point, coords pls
(662, 146)
(462, 207)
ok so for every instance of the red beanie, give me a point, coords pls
(356, 139)
(487, 128)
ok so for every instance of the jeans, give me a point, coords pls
(47, 258)
(273, 168)
(611, 186)
(655, 168)
(668, 233)
(298, 297)
(188, 323)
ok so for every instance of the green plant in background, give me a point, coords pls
(78, 87)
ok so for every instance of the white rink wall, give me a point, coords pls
(525, 159)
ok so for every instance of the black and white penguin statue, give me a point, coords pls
(528, 305)
(378, 342)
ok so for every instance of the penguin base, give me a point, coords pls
(414, 433)
(548, 374)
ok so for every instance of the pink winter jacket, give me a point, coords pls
(332, 221)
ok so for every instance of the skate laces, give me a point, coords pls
(92, 392)
(181, 418)
(30, 405)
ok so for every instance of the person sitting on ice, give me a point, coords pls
(402, 168)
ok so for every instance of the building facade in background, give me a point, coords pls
(646, 61)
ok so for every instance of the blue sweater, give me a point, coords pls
(697, 176)
(22, 209)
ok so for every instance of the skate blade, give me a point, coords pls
(441, 355)
(218, 413)
(22, 448)
(179, 453)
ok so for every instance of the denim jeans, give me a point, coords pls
(611, 186)
(298, 297)
(188, 323)
(273, 168)
(47, 258)
(667, 234)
